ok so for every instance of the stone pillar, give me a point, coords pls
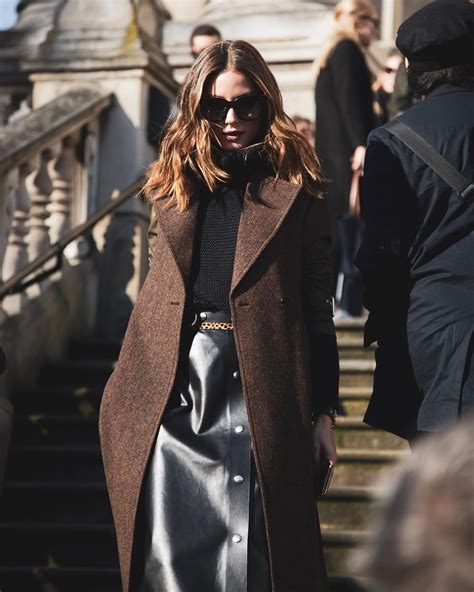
(392, 16)
(289, 34)
(35, 21)
(115, 44)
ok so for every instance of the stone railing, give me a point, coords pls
(48, 177)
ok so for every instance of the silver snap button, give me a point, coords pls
(238, 479)
(239, 429)
(236, 375)
(236, 538)
(202, 316)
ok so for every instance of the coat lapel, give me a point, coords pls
(179, 229)
(266, 204)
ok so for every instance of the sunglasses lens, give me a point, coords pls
(213, 109)
(249, 108)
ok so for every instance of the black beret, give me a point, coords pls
(439, 36)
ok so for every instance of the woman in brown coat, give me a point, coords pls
(223, 393)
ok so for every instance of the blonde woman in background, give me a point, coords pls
(344, 118)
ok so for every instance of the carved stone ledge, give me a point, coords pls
(41, 127)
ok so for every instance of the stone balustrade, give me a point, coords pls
(47, 176)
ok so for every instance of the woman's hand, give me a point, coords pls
(323, 439)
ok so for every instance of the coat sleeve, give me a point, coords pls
(353, 96)
(152, 232)
(388, 230)
(317, 307)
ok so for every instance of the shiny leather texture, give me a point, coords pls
(203, 510)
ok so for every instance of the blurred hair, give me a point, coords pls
(205, 29)
(345, 28)
(423, 83)
(185, 156)
(424, 535)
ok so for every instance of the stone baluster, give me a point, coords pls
(16, 256)
(61, 175)
(40, 187)
(7, 205)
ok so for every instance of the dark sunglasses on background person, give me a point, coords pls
(246, 107)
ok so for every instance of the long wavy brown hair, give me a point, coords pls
(185, 156)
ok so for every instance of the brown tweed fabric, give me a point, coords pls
(281, 230)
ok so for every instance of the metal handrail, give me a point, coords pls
(17, 284)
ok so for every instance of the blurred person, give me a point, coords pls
(422, 539)
(304, 126)
(344, 118)
(402, 97)
(202, 37)
(227, 380)
(384, 87)
(417, 256)
(6, 412)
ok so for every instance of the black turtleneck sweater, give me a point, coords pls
(213, 263)
(216, 229)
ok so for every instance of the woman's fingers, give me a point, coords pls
(323, 439)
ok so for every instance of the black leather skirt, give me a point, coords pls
(204, 527)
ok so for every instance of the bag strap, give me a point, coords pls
(433, 159)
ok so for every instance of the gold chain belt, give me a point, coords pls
(220, 326)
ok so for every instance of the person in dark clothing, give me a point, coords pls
(6, 412)
(417, 254)
(402, 97)
(384, 87)
(222, 402)
(202, 37)
(344, 118)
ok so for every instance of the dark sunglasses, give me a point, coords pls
(247, 107)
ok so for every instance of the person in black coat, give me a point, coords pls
(417, 255)
(344, 118)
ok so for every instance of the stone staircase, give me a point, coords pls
(56, 527)
(55, 519)
(364, 454)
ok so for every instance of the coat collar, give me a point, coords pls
(449, 88)
(266, 204)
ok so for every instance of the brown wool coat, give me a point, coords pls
(280, 286)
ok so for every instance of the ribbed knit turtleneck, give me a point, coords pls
(216, 229)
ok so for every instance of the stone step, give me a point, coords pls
(357, 372)
(83, 400)
(339, 546)
(350, 327)
(61, 502)
(345, 584)
(346, 508)
(76, 373)
(61, 579)
(54, 463)
(94, 349)
(91, 579)
(354, 399)
(52, 429)
(352, 347)
(363, 467)
(52, 544)
(352, 433)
